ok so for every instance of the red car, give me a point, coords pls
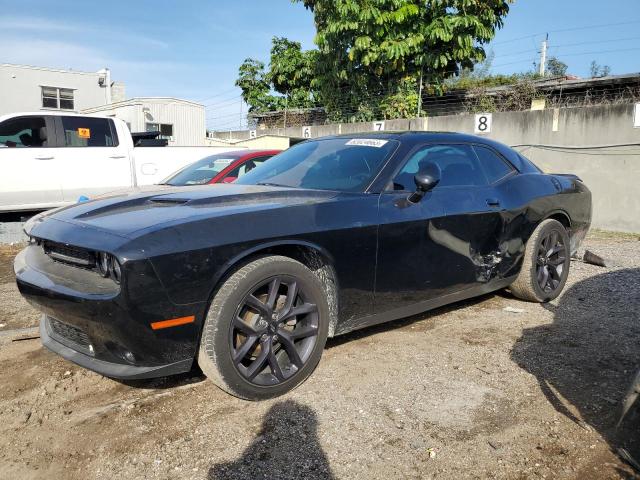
(220, 168)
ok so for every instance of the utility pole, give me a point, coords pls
(543, 56)
(420, 95)
(286, 105)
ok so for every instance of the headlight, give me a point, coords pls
(108, 266)
(104, 264)
(116, 270)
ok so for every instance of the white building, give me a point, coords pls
(180, 121)
(25, 88)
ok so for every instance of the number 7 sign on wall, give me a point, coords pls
(483, 123)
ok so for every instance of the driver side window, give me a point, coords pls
(23, 132)
(458, 166)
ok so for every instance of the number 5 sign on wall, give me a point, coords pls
(483, 123)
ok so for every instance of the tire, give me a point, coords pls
(537, 256)
(252, 322)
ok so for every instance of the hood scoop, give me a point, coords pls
(168, 200)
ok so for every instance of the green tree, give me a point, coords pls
(255, 87)
(556, 68)
(370, 48)
(290, 74)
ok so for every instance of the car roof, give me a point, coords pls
(417, 136)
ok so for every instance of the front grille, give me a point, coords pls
(69, 254)
(68, 333)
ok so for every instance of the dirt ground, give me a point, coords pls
(467, 391)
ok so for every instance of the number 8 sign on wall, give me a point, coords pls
(483, 123)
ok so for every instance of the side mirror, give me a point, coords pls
(426, 179)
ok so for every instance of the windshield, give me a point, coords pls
(342, 164)
(202, 171)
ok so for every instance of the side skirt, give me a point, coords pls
(416, 308)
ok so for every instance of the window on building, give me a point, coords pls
(59, 98)
(23, 132)
(165, 129)
(89, 132)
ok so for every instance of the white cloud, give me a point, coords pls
(42, 26)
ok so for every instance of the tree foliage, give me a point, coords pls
(287, 83)
(556, 68)
(372, 54)
(599, 70)
(371, 47)
(255, 87)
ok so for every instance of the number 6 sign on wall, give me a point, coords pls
(483, 123)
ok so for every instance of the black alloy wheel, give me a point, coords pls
(266, 328)
(545, 263)
(552, 255)
(274, 331)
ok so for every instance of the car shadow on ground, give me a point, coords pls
(161, 383)
(427, 318)
(586, 359)
(287, 446)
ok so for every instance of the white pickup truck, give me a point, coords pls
(50, 159)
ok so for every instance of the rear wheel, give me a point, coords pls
(545, 267)
(265, 330)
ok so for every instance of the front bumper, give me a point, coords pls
(108, 369)
(107, 327)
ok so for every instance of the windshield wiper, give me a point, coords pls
(267, 184)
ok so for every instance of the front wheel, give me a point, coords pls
(266, 329)
(545, 266)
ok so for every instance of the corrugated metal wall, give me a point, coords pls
(188, 119)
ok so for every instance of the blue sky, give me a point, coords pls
(192, 49)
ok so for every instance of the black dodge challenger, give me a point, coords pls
(335, 234)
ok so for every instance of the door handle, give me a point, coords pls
(117, 156)
(493, 202)
(44, 157)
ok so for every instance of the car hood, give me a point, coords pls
(135, 212)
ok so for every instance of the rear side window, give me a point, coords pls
(89, 132)
(494, 167)
(23, 132)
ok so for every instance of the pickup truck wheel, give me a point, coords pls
(265, 329)
(545, 267)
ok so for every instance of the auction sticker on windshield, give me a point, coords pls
(367, 142)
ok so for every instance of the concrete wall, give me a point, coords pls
(612, 173)
(20, 87)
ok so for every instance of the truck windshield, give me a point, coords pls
(341, 164)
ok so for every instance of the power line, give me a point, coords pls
(217, 95)
(227, 101)
(577, 54)
(586, 27)
(597, 41)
